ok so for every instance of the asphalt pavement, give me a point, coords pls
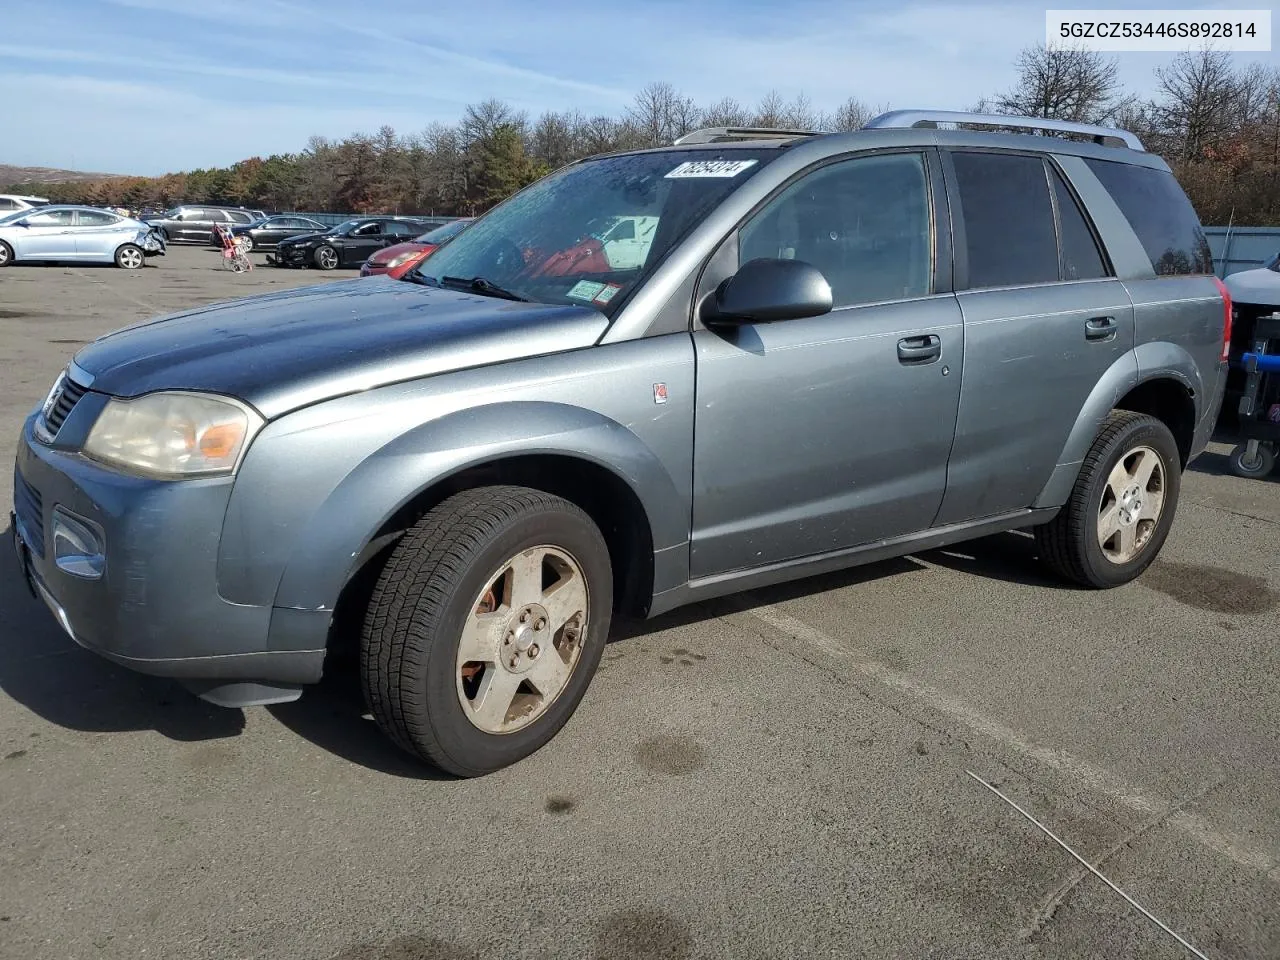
(786, 773)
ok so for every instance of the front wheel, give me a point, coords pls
(1121, 507)
(485, 627)
(326, 258)
(6, 254)
(1254, 467)
(130, 257)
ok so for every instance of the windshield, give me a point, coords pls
(587, 234)
(441, 234)
(14, 215)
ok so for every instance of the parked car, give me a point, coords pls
(1260, 286)
(77, 233)
(191, 223)
(478, 468)
(398, 259)
(266, 232)
(13, 203)
(348, 244)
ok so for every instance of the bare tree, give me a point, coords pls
(853, 114)
(660, 114)
(1062, 83)
(480, 121)
(1201, 100)
(770, 110)
(799, 114)
(553, 139)
(727, 112)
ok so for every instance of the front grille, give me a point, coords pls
(68, 396)
(29, 506)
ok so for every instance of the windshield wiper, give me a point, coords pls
(481, 285)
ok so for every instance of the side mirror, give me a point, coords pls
(21, 223)
(766, 290)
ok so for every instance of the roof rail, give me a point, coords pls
(726, 134)
(896, 119)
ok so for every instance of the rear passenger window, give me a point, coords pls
(1008, 219)
(1081, 258)
(1160, 214)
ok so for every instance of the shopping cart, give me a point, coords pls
(1255, 455)
(235, 250)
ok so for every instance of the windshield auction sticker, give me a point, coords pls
(585, 290)
(709, 168)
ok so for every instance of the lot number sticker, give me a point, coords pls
(709, 168)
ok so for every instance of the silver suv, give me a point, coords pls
(803, 352)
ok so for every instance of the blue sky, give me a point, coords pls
(146, 86)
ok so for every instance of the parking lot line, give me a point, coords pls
(1085, 774)
(118, 293)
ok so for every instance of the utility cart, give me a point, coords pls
(1259, 422)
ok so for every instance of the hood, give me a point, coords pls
(1260, 287)
(390, 253)
(281, 351)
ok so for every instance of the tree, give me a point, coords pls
(660, 114)
(1063, 83)
(503, 166)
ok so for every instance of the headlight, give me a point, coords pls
(403, 258)
(173, 435)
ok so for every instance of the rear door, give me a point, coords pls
(1044, 318)
(820, 434)
(97, 234)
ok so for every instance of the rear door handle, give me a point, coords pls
(1100, 328)
(917, 350)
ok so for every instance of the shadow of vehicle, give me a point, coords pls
(43, 669)
(1011, 557)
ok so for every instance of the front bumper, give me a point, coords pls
(370, 269)
(155, 605)
(291, 257)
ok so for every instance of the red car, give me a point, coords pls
(398, 260)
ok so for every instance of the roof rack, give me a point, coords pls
(727, 134)
(897, 119)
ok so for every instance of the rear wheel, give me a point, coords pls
(130, 257)
(485, 627)
(1122, 506)
(6, 254)
(326, 258)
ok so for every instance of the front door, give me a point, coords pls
(362, 243)
(820, 434)
(48, 235)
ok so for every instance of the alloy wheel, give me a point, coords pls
(1131, 504)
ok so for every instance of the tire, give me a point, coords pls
(452, 568)
(1255, 469)
(326, 258)
(6, 254)
(129, 256)
(1072, 543)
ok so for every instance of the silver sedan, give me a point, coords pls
(77, 233)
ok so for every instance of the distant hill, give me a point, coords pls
(11, 174)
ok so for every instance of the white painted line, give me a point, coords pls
(1086, 774)
(118, 293)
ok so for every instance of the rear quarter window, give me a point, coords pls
(1160, 214)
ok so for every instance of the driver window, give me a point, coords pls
(368, 230)
(865, 223)
(52, 218)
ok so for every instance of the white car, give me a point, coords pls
(77, 233)
(13, 202)
(1261, 286)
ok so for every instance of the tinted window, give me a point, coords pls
(1081, 258)
(238, 217)
(96, 218)
(402, 229)
(1160, 214)
(1008, 219)
(7, 204)
(864, 223)
(368, 230)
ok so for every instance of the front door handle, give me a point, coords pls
(918, 350)
(1100, 328)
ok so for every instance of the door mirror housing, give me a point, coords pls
(767, 290)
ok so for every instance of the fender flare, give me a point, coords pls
(1149, 361)
(326, 554)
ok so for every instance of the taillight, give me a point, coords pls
(1226, 318)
